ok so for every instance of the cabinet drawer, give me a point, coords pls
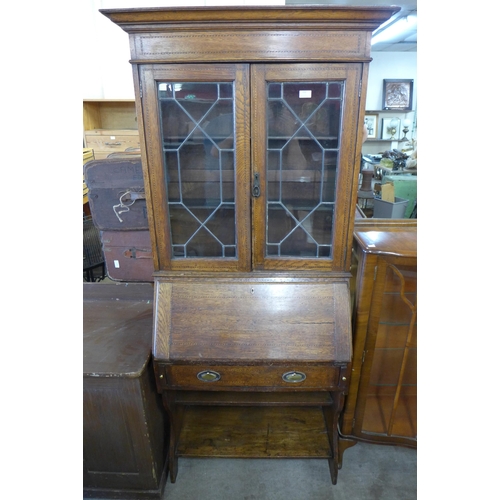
(104, 142)
(263, 377)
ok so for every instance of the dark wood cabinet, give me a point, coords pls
(124, 432)
(250, 122)
(382, 402)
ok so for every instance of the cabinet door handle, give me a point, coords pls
(112, 143)
(293, 377)
(256, 185)
(208, 376)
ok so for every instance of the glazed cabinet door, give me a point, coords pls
(251, 166)
(387, 399)
(304, 130)
(196, 123)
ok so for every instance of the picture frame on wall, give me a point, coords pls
(371, 122)
(397, 94)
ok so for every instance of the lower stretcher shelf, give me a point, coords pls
(257, 432)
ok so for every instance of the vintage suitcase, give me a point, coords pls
(128, 255)
(116, 194)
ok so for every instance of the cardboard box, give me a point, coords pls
(389, 210)
(405, 187)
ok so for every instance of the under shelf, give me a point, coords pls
(253, 432)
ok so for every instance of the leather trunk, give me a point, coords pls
(128, 255)
(116, 194)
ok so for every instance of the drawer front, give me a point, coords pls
(105, 132)
(105, 143)
(265, 377)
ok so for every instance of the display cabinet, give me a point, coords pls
(250, 122)
(382, 402)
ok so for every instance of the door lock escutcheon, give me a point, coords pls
(256, 185)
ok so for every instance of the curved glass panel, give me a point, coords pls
(391, 401)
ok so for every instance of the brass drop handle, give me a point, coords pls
(293, 377)
(208, 376)
(256, 185)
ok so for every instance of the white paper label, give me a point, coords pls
(112, 137)
(117, 263)
(305, 94)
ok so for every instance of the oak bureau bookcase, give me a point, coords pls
(250, 128)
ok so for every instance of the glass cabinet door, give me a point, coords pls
(197, 124)
(201, 167)
(301, 165)
(219, 136)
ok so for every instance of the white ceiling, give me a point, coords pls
(407, 42)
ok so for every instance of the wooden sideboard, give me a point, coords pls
(125, 436)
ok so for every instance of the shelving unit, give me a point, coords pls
(376, 145)
(109, 114)
(392, 113)
(109, 126)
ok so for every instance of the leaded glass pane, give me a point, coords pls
(197, 122)
(303, 139)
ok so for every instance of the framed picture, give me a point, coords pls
(371, 122)
(389, 132)
(398, 94)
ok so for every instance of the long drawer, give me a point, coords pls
(244, 377)
(104, 142)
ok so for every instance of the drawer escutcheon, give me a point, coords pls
(208, 376)
(293, 377)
